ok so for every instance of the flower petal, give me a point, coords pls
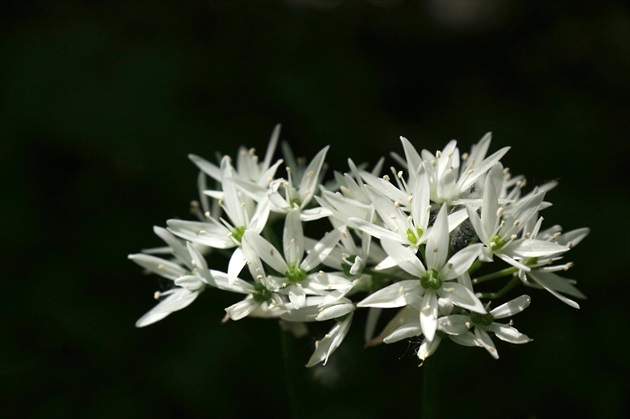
(265, 251)
(321, 249)
(159, 266)
(177, 299)
(331, 341)
(459, 263)
(508, 333)
(404, 258)
(437, 244)
(428, 314)
(461, 297)
(511, 307)
(393, 295)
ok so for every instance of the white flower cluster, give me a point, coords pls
(429, 241)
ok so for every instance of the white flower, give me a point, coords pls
(188, 283)
(432, 282)
(295, 269)
(454, 325)
(299, 197)
(243, 214)
(498, 229)
(330, 342)
(249, 168)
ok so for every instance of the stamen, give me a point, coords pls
(157, 295)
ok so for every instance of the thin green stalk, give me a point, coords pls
(476, 265)
(493, 295)
(288, 358)
(383, 275)
(495, 275)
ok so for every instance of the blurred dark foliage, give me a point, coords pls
(102, 101)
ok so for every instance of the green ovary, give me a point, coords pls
(295, 273)
(262, 294)
(431, 280)
(482, 319)
(238, 232)
(413, 236)
(498, 242)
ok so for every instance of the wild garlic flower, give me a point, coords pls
(439, 241)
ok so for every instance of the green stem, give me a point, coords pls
(493, 295)
(495, 275)
(476, 265)
(382, 275)
(288, 358)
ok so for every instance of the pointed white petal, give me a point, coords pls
(437, 244)
(312, 214)
(529, 248)
(210, 169)
(461, 296)
(190, 282)
(321, 249)
(540, 279)
(404, 332)
(404, 258)
(208, 234)
(455, 324)
(508, 333)
(223, 282)
(331, 341)
(159, 266)
(265, 251)
(484, 340)
(377, 231)
(573, 237)
(296, 295)
(428, 348)
(177, 299)
(271, 148)
(293, 238)
(429, 314)
(242, 308)
(511, 307)
(393, 295)
(489, 217)
(236, 264)
(177, 246)
(335, 311)
(459, 263)
(308, 185)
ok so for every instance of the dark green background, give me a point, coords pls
(101, 102)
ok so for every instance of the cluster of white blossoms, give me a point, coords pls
(440, 242)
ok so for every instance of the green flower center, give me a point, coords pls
(295, 273)
(497, 242)
(238, 232)
(481, 319)
(413, 236)
(431, 280)
(295, 203)
(261, 293)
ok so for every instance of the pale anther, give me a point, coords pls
(157, 295)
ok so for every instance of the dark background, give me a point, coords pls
(102, 101)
